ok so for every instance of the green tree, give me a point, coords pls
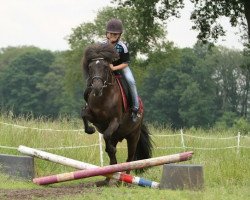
(245, 72)
(159, 94)
(229, 80)
(8, 54)
(179, 90)
(54, 84)
(197, 101)
(20, 83)
(92, 32)
(205, 14)
(134, 35)
(137, 39)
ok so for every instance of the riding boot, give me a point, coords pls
(135, 107)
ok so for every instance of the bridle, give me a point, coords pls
(106, 80)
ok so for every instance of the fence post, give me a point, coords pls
(182, 139)
(100, 147)
(238, 143)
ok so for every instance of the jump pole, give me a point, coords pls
(82, 165)
(113, 168)
(109, 171)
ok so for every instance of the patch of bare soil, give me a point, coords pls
(46, 192)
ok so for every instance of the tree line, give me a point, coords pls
(202, 86)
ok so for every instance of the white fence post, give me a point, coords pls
(238, 143)
(182, 139)
(100, 147)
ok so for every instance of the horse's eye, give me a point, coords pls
(90, 70)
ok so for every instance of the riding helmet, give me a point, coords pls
(114, 26)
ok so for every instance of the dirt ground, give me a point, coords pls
(48, 192)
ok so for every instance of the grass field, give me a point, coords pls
(226, 167)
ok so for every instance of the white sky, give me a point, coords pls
(46, 23)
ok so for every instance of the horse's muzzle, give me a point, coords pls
(97, 87)
(97, 92)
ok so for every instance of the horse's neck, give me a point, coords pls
(106, 102)
(112, 78)
(112, 88)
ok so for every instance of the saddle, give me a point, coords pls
(126, 96)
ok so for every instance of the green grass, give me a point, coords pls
(11, 183)
(226, 171)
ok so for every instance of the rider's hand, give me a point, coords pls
(112, 67)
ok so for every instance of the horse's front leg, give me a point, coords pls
(85, 114)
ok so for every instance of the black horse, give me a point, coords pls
(105, 107)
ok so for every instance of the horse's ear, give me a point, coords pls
(104, 51)
(111, 53)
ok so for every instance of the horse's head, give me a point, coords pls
(96, 66)
(99, 75)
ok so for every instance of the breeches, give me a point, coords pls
(132, 86)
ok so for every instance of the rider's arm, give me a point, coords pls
(118, 67)
(123, 60)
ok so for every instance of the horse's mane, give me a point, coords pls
(105, 51)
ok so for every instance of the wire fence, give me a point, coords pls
(182, 137)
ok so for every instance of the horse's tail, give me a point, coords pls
(144, 146)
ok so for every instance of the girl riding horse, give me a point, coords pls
(105, 107)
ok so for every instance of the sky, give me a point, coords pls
(47, 23)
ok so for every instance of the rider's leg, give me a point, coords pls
(133, 91)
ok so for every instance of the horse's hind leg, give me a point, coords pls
(132, 142)
(111, 142)
(111, 151)
(84, 115)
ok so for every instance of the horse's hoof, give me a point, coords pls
(102, 183)
(90, 130)
(106, 182)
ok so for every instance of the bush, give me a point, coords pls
(226, 121)
(242, 125)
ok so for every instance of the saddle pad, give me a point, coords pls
(124, 97)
